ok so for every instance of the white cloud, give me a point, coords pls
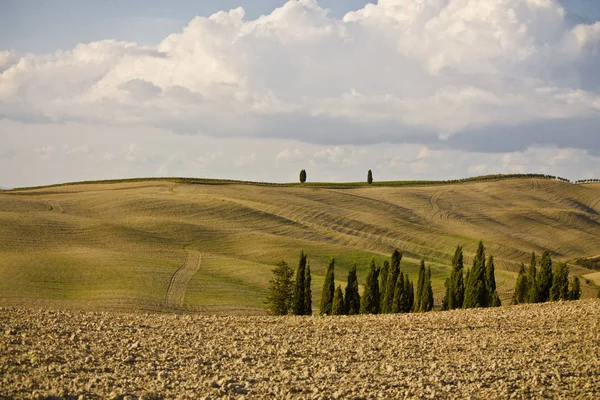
(397, 71)
(45, 152)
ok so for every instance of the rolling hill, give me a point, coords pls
(210, 246)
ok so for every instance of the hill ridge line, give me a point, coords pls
(332, 185)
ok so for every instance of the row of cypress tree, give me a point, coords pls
(535, 286)
(477, 289)
(387, 289)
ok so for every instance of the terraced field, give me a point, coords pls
(121, 245)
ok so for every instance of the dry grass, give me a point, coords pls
(108, 246)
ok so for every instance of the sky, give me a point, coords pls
(257, 90)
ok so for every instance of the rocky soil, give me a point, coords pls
(533, 351)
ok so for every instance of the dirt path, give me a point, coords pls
(180, 279)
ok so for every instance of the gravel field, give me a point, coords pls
(532, 351)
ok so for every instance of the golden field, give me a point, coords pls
(164, 245)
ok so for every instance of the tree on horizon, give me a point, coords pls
(302, 176)
(369, 177)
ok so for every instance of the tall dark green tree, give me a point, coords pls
(281, 290)
(302, 176)
(383, 275)
(369, 177)
(493, 299)
(475, 290)
(369, 303)
(446, 298)
(410, 289)
(352, 298)
(521, 287)
(337, 307)
(455, 288)
(328, 289)
(560, 283)
(400, 296)
(531, 279)
(575, 289)
(420, 285)
(298, 306)
(543, 280)
(393, 274)
(307, 291)
(427, 293)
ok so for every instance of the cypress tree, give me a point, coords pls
(352, 298)
(490, 275)
(456, 286)
(383, 275)
(521, 287)
(375, 290)
(427, 294)
(281, 289)
(391, 282)
(575, 289)
(369, 177)
(302, 176)
(543, 280)
(475, 291)
(300, 287)
(328, 289)
(490, 283)
(338, 302)
(369, 302)
(446, 298)
(560, 283)
(399, 301)
(307, 292)
(411, 295)
(420, 285)
(531, 279)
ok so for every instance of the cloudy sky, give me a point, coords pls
(259, 89)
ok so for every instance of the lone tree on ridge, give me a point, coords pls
(302, 176)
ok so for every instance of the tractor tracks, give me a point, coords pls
(181, 278)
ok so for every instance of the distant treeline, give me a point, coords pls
(332, 185)
(589, 263)
(588, 181)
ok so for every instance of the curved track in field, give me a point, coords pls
(180, 279)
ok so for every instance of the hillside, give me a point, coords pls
(211, 247)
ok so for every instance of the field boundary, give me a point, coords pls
(180, 279)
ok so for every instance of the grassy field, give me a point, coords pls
(117, 245)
